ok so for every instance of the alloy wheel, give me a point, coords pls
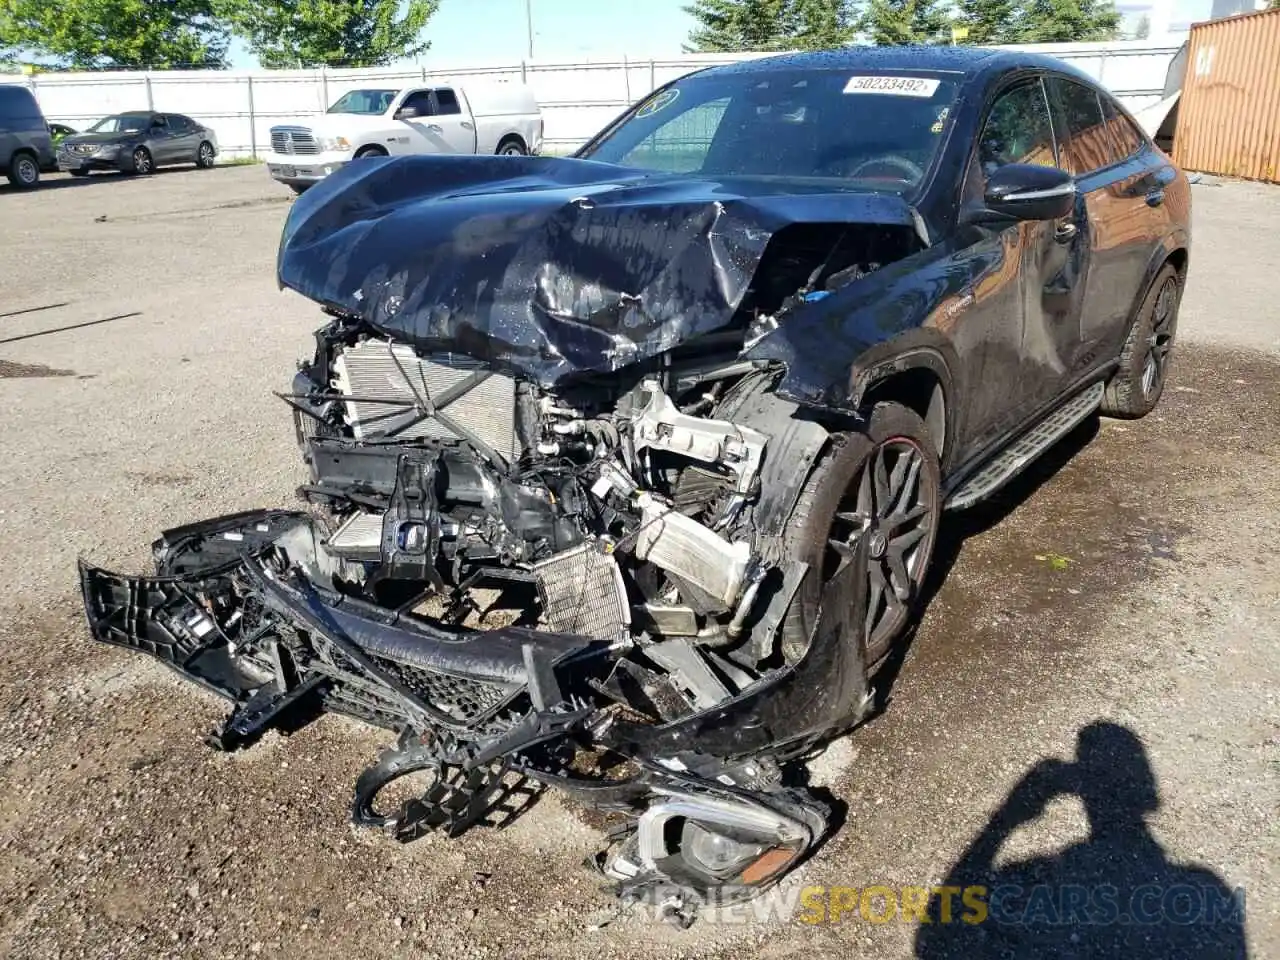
(1160, 343)
(206, 155)
(893, 505)
(141, 161)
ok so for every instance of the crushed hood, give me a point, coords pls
(541, 266)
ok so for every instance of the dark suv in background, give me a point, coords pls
(25, 145)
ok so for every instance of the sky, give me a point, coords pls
(494, 31)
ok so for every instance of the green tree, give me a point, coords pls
(88, 34)
(1063, 21)
(989, 21)
(730, 26)
(313, 33)
(891, 22)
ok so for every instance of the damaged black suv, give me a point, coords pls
(626, 469)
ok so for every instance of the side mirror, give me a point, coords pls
(406, 113)
(1023, 191)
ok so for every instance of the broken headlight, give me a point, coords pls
(699, 843)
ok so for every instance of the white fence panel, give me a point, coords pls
(577, 98)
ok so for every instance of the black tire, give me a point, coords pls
(204, 156)
(299, 188)
(512, 147)
(141, 163)
(365, 152)
(24, 170)
(1136, 386)
(822, 514)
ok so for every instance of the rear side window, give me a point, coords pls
(1086, 141)
(1018, 129)
(1124, 134)
(447, 102)
(181, 124)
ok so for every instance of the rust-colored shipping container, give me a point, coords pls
(1229, 114)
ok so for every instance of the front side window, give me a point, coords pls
(369, 103)
(122, 123)
(1087, 144)
(1018, 129)
(419, 102)
(879, 132)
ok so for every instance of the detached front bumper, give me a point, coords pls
(305, 169)
(251, 607)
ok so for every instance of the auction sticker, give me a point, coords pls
(893, 86)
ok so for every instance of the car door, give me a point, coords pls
(1121, 189)
(1016, 339)
(186, 137)
(160, 139)
(441, 127)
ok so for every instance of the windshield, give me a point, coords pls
(880, 131)
(122, 123)
(368, 102)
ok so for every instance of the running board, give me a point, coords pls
(1014, 458)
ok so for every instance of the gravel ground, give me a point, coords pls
(1119, 602)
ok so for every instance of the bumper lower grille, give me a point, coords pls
(464, 698)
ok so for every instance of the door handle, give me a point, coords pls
(1155, 197)
(466, 125)
(1063, 232)
(435, 128)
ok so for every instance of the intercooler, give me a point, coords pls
(397, 394)
(582, 593)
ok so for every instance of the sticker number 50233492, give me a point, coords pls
(893, 86)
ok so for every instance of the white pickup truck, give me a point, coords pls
(379, 122)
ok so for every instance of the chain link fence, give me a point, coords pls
(577, 97)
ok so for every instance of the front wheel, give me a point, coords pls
(1136, 386)
(881, 487)
(512, 147)
(204, 156)
(141, 162)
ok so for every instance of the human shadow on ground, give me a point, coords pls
(1114, 895)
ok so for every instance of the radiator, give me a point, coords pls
(387, 380)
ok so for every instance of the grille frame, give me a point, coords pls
(294, 141)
